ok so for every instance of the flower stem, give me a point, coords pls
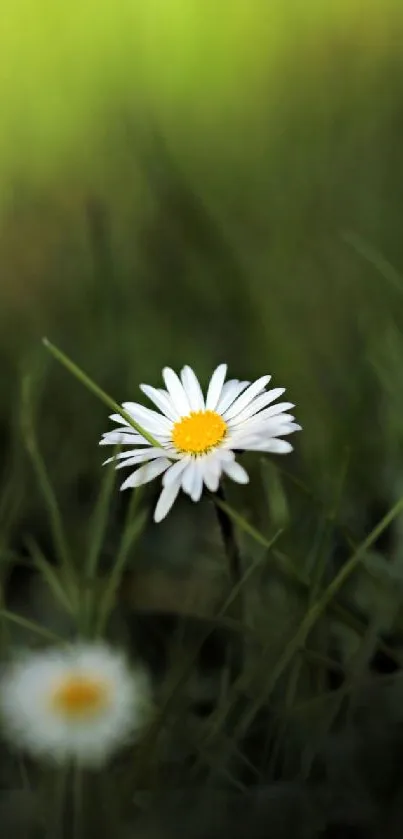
(56, 795)
(229, 540)
(234, 562)
(78, 802)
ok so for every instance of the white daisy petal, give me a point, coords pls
(43, 712)
(120, 438)
(224, 455)
(165, 393)
(257, 437)
(215, 387)
(245, 439)
(176, 391)
(211, 473)
(286, 428)
(170, 403)
(148, 419)
(175, 472)
(268, 427)
(260, 437)
(193, 390)
(229, 393)
(146, 473)
(167, 498)
(197, 487)
(258, 404)
(273, 411)
(120, 419)
(279, 408)
(246, 397)
(151, 454)
(275, 447)
(128, 454)
(162, 401)
(189, 476)
(236, 472)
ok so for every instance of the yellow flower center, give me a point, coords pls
(199, 432)
(79, 696)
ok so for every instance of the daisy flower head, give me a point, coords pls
(79, 703)
(198, 436)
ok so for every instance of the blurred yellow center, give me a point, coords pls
(199, 432)
(79, 696)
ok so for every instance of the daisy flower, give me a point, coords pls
(79, 703)
(198, 436)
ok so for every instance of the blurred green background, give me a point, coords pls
(196, 182)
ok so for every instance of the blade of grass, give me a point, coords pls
(134, 526)
(314, 657)
(149, 743)
(333, 516)
(329, 524)
(99, 522)
(116, 575)
(55, 794)
(315, 613)
(234, 664)
(321, 630)
(355, 675)
(285, 566)
(97, 391)
(276, 501)
(298, 641)
(78, 810)
(284, 563)
(31, 626)
(49, 575)
(97, 534)
(55, 518)
(297, 482)
(375, 258)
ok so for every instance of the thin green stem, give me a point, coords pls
(296, 644)
(98, 528)
(317, 610)
(234, 562)
(56, 522)
(78, 802)
(49, 575)
(31, 626)
(97, 391)
(286, 568)
(133, 531)
(56, 812)
(328, 527)
(148, 746)
(284, 564)
(99, 523)
(229, 538)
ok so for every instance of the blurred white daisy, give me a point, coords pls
(79, 703)
(197, 435)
